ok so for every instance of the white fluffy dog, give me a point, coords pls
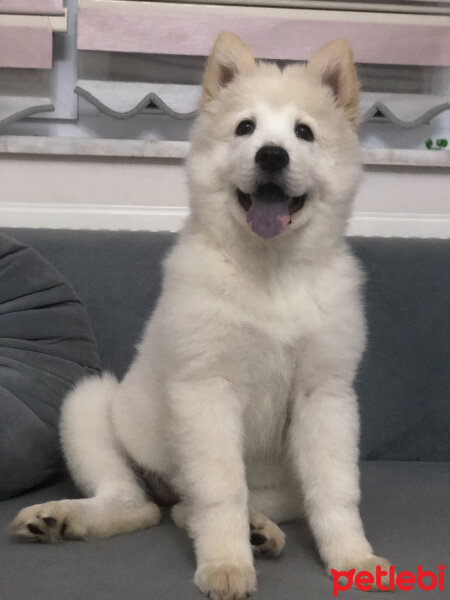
(239, 404)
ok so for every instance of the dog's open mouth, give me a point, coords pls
(269, 209)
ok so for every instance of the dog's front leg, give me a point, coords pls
(324, 436)
(208, 449)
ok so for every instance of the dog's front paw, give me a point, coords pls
(226, 581)
(375, 569)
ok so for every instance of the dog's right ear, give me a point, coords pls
(333, 64)
(229, 57)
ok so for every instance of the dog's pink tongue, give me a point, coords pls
(269, 214)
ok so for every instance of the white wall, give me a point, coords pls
(117, 193)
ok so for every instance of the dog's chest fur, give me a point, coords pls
(270, 324)
(255, 328)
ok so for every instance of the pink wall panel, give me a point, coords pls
(26, 47)
(123, 28)
(32, 7)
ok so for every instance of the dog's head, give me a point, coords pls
(275, 152)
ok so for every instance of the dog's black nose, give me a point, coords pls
(272, 158)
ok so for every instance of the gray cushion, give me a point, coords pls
(46, 345)
(404, 379)
(404, 508)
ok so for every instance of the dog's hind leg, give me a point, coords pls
(267, 507)
(266, 537)
(116, 503)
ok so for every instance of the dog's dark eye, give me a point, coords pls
(246, 127)
(303, 132)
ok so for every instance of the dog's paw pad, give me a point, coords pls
(34, 529)
(257, 539)
(266, 538)
(35, 524)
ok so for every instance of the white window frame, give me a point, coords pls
(272, 33)
(58, 128)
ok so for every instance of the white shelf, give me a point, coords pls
(10, 144)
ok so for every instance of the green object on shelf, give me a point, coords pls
(442, 143)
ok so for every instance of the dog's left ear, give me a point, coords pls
(335, 67)
(229, 57)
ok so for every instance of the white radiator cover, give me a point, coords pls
(150, 194)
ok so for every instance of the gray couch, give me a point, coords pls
(405, 447)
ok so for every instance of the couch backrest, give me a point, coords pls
(404, 381)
